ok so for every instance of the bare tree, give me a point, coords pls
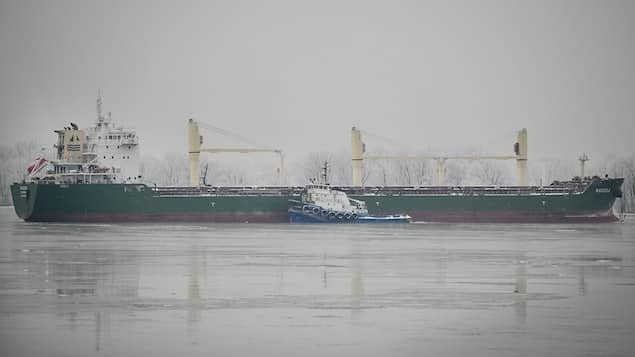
(489, 173)
(341, 169)
(455, 173)
(420, 170)
(366, 174)
(171, 170)
(176, 169)
(404, 173)
(385, 174)
(233, 177)
(210, 173)
(314, 164)
(629, 184)
(14, 162)
(556, 169)
(375, 173)
(625, 168)
(411, 172)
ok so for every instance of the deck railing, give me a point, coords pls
(373, 190)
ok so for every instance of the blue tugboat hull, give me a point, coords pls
(299, 217)
(305, 218)
(384, 219)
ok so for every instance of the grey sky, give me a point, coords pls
(298, 75)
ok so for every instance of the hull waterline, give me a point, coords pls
(36, 202)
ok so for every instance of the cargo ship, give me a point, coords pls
(95, 178)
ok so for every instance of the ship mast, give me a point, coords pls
(100, 117)
(325, 172)
(583, 159)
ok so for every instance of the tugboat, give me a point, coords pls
(322, 204)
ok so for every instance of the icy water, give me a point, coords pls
(316, 290)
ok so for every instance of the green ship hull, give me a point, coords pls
(42, 202)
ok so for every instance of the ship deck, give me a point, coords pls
(571, 188)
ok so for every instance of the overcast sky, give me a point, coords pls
(298, 74)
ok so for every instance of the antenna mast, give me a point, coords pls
(100, 116)
(583, 159)
(325, 172)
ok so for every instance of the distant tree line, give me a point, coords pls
(625, 167)
(173, 170)
(14, 161)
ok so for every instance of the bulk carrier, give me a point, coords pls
(95, 178)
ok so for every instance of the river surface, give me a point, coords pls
(316, 290)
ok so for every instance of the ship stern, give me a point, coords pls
(23, 196)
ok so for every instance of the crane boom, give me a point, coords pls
(426, 157)
(195, 140)
(238, 150)
(358, 149)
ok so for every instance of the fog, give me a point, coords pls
(438, 77)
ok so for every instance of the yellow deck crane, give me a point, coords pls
(195, 140)
(359, 149)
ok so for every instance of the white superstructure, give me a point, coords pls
(105, 153)
(334, 200)
(114, 148)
